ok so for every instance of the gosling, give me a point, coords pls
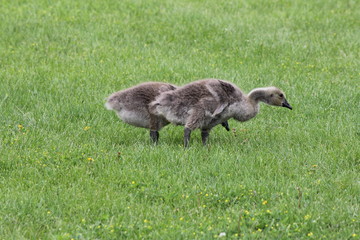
(132, 106)
(206, 103)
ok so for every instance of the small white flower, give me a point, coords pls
(222, 234)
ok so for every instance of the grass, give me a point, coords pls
(71, 170)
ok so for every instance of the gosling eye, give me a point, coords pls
(271, 95)
(281, 95)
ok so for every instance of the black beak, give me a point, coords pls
(286, 104)
(225, 125)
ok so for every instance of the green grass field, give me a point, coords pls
(69, 169)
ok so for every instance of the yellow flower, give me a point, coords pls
(268, 211)
(307, 217)
(310, 234)
(20, 126)
(146, 221)
(354, 235)
(90, 159)
(87, 128)
(181, 218)
(246, 212)
(264, 202)
(133, 182)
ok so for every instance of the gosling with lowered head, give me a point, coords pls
(206, 103)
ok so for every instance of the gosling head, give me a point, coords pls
(270, 95)
(275, 97)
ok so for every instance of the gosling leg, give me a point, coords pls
(154, 136)
(187, 134)
(154, 124)
(204, 136)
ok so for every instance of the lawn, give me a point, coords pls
(69, 169)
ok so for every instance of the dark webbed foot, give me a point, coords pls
(226, 125)
(187, 134)
(154, 136)
(204, 136)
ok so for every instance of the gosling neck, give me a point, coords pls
(257, 94)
